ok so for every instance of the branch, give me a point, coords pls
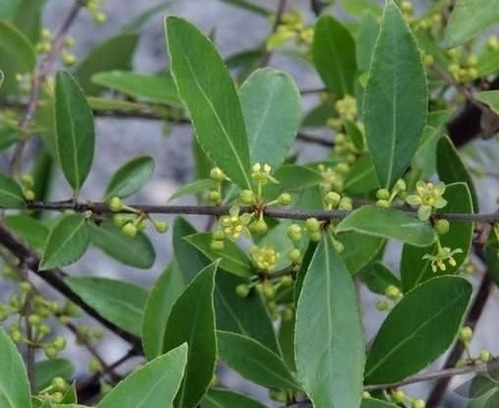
(36, 84)
(266, 56)
(55, 278)
(289, 213)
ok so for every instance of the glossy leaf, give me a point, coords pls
(291, 177)
(120, 302)
(451, 168)
(130, 177)
(233, 259)
(222, 398)
(376, 403)
(254, 361)
(137, 252)
(190, 259)
(195, 187)
(491, 254)
(115, 53)
(209, 94)
(271, 107)
(359, 250)
(67, 242)
(489, 98)
(14, 386)
(46, 370)
(11, 195)
(365, 40)
(379, 277)
(388, 223)
(30, 229)
(418, 329)
(333, 53)
(192, 320)
(159, 89)
(329, 339)
(168, 287)
(153, 385)
(395, 98)
(74, 130)
(21, 56)
(246, 316)
(27, 18)
(468, 19)
(415, 269)
(361, 177)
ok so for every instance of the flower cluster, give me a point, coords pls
(444, 255)
(93, 8)
(291, 27)
(428, 197)
(386, 197)
(347, 107)
(264, 258)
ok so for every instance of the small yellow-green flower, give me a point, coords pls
(233, 225)
(262, 174)
(428, 197)
(347, 107)
(444, 255)
(264, 257)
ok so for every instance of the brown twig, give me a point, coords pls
(37, 81)
(266, 56)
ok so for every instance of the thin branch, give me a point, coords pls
(37, 81)
(304, 137)
(55, 278)
(455, 355)
(289, 213)
(266, 56)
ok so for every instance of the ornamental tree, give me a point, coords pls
(275, 286)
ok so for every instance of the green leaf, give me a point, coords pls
(196, 186)
(358, 7)
(388, 223)
(470, 18)
(27, 18)
(333, 53)
(361, 177)
(209, 94)
(359, 250)
(74, 130)
(451, 168)
(415, 269)
(130, 177)
(329, 339)
(254, 361)
(491, 254)
(21, 56)
(67, 242)
(418, 329)
(114, 53)
(14, 386)
(378, 277)
(395, 98)
(190, 260)
(46, 370)
(271, 107)
(233, 259)
(291, 177)
(118, 301)
(11, 195)
(192, 320)
(161, 299)
(489, 98)
(249, 6)
(221, 398)
(137, 252)
(159, 89)
(153, 385)
(247, 316)
(375, 403)
(365, 40)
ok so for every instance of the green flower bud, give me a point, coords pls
(418, 403)
(218, 235)
(383, 194)
(366, 394)
(465, 334)
(217, 174)
(382, 305)
(484, 356)
(247, 197)
(25, 287)
(294, 255)
(398, 396)
(313, 225)
(217, 246)
(160, 226)
(44, 329)
(59, 343)
(129, 230)
(94, 365)
(116, 204)
(27, 180)
(50, 352)
(259, 227)
(214, 196)
(16, 336)
(383, 203)
(278, 395)
(286, 280)
(120, 219)
(100, 17)
(268, 291)
(59, 384)
(57, 397)
(294, 232)
(400, 186)
(392, 292)
(284, 199)
(34, 320)
(332, 198)
(287, 314)
(442, 226)
(242, 290)
(345, 204)
(316, 236)
(29, 195)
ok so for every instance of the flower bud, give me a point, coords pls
(465, 334)
(313, 225)
(214, 196)
(116, 204)
(398, 396)
(294, 255)
(484, 356)
(129, 230)
(294, 232)
(247, 197)
(392, 292)
(259, 227)
(383, 194)
(242, 290)
(217, 246)
(217, 174)
(418, 403)
(442, 226)
(382, 305)
(332, 198)
(160, 226)
(285, 199)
